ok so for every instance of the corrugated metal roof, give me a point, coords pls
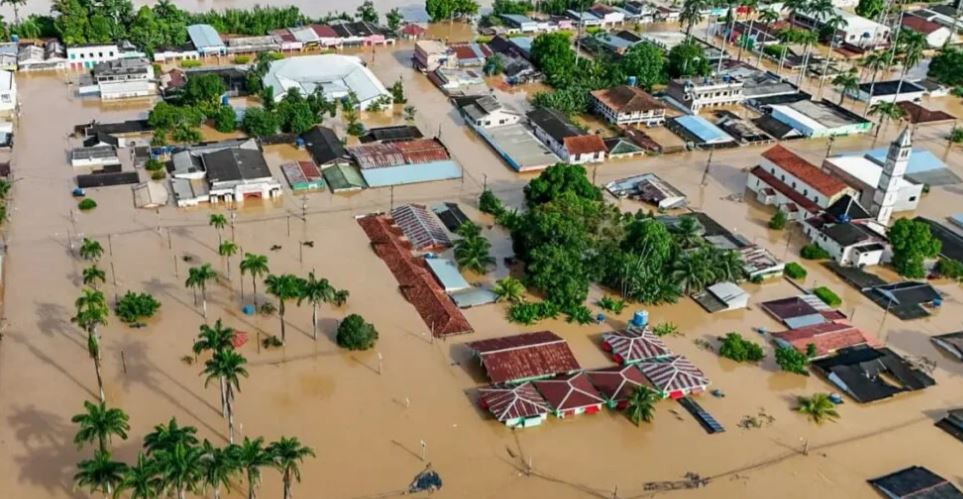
(447, 273)
(204, 36)
(420, 226)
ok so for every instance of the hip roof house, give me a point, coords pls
(674, 377)
(570, 394)
(524, 357)
(634, 345)
(520, 406)
(335, 75)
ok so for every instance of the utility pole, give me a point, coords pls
(233, 210)
(705, 173)
(829, 146)
(289, 225)
(424, 450)
(391, 206)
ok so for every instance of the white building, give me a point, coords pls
(564, 139)
(855, 30)
(176, 54)
(888, 190)
(696, 93)
(487, 112)
(87, 56)
(865, 174)
(336, 75)
(8, 91)
(856, 243)
(627, 105)
(794, 185)
(609, 16)
(888, 91)
(935, 33)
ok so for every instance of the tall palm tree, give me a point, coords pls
(91, 250)
(218, 467)
(180, 468)
(819, 408)
(284, 287)
(227, 366)
(766, 16)
(750, 6)
(691, 14)
(92, 312)
(288, 454)
(215, 339)
(727, 265)
(251, 456)
(833, 24)
(845, 83)
(316, 291)
(641, 405)
(876, 61)
(217, 221)
(98, 424)
(688, 232)
(141, 480)
(100, 474)
(911, 47)
(256, 266)
(93, 274)
(692, 271)
(473, 251)
(227, 249)
(509, 289)
(16, 4)
(166, 437)
(197, 278)
(886, 111)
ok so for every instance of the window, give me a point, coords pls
(100, 54)
(783, 178)
(912, 198)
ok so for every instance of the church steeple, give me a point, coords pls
(897, 159)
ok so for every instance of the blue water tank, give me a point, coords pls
(248, 309)
(641, 318)
(633, 81)
(225, 99)
(299, 142)
(14, 38)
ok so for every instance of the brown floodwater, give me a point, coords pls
(367, 427)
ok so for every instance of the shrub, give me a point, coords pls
(666, 329)
(579, 315)
(356, 334)
(86, 204)
(956, 136)
(951, 269)
(614, 305)
(242, 59)
(774, 50)
(795, 271)
(827, 296)
(739, 349)
(757, 279)
(791, 360)
(530, 313)
(153, 165)
(135, 306)
(813, 252)
(271, 342)
(778, 221)
(158, 175)
(190, 63)
(489, 203)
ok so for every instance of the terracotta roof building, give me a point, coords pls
(827, 338)
(585, 145)
(616, 383)
(518, 406)
(566, 140)
(674, 377)
(794, 185)
(523, 357)
(917, 114)
(627, 105)
(634, 345)
(570, 394)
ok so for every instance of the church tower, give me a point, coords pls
(897, 159)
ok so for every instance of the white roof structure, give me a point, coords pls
(664, 39)
(730, 294)
(336, 76)
(855, 23)
(6, 80)
(863, 169)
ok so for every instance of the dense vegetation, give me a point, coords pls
(356, 334)
(912, 243)
(739, 349)
(445, 10)
(791, 360)
(828, 296)
(795, 271)
(947, 67)
(133, 307)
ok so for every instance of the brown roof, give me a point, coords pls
(569, 392)
(674, 374)
(413, 29)
(309, 169)
(916, 113)
(383, 154)
(828, 337)
(522, 356)
(324, 31)
(507, 403)
(804, 171)
(634, 345)
(584, 144)
(626, 99)
(616, 383)
(787, 308)
(416, 283)
(778, 185)
(643, 140)
(920, 25)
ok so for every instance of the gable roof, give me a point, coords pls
(858, 371)
(324, 145)
(626, 99)
(827, 337)
(920, 25)
(634, 345)
(584, 144)
(805, 171)
(508, 403)
(420, 226)
(674, 373)
(569, 392)
(616, 383)
(235, 164)
(916, 113)
(554, 123)
(523, 356)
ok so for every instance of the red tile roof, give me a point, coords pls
(626, 99)
(309, 169)
(522, 356)
(616, 383)
(916, 113)
(805, 171)
(778, 185)
(508, 403)
(788, 308)
(920, 25)
(674, 374)
(569, 392)
(634, 345)
(324, 31)
(584, 144)
(416, 283)
(413, 30)
(466, 51)
(828, 337)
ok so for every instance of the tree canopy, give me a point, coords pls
(356, 334)
(870, 9)
(947, 67)
(688, 59)
(646, 63)
(444, 10)
(912, 244)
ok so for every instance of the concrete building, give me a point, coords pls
(401, 162)
(697, 93)
(847, 232)
(123, 79)
(238, 174)
(935, 33)
(8, 56)
(87, 56)
(628, 105)
(888, 91)
(820, 119)
(865, 174)
(855, 30)
(519, 22)
(564, 139)
(888, 189)
(432, 54)
(8, 91)
(206, 40)
(610, 16)
(800, 189)
(45, 56)
(173, 54)
(335, 75)
(486, 112)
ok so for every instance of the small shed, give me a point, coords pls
(616, 383)
(343, 178)
(951, 343)
(570, 394)
(634, 345)
(303, 176)
(447, 273)
(150, 194)
(518, 406)
(722, 296)
(674, 377)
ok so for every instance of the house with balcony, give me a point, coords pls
(628, 105)
(697, 93)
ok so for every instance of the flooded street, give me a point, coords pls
(367, 427)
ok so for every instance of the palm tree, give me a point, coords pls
(227, 249)
(472, 251)
(819, 408)
(767, 17)
(692, 271)
(92, 312)
(886, 111)
(786, 37)
(93, 274)
(218, 467)
(316, 291)
(876, 61)
(688, 232)
(750, 5)
(832, 25)
(180, 468)
(198, 277)
(227, 366)
(691, 14)
(727, 265)
(251, 456)
(911, 46)
(91, 250)
(100, 474)
(216, 339)
(141, 480)
(641, 405)
(218, 221)
(257, 266)
(98, 424)
(284, 287)
(287, 454)
(16, 4)
(845, 83)
(166, 437)
(509, 289)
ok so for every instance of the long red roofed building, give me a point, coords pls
(524, 357)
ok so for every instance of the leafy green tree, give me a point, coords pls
(950, 269)
(553, 54)
(947, 66)
(778, 220)
(509, 289)
(91, 313)
(251, 456)
(693, 271)
(641, 405)
(179, 122)
(489, 203)
(688, 232)
(91, 250)
(739, 349)
(394, 19)
(180, 468)
(91, 275)
(791, 360)
(255, 265)
(98, 423)
(140, 481)
(225, 119)
(227, 249)
(258, 122)
(316, 291)
(203, 91)
(295, 114)
(356, 334)
(367, 12)
(284, 287)
(288, 453)
(198, 278)
(645, 61)
(398, 92)
(870, 9)
(557, 179)
(912, 243)
(819, 408)
(494, 65)
(569, 100)
(227, 366)
(445, 10)
(133, 307)
(688, 59)
(71, 21)
(100, 474)
(166, 437)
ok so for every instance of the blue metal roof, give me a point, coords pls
(703, 129)
(921, 160)
(518, 19)
(410, 174)
(522, 42)
(204, 36)
(447, 273)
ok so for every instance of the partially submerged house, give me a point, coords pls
(634, 345)
(826, 338)
(722, 296)
(700, 132)
(570, 394)
(420, 227)
(628, 105)
(888, 91)
(616, 384)
(461, 291)
(951, 343)
(952, 423)
(524, 357)
(519, 406)
(869, 374)
(404, 162)
(650, 188)
(303, 176)
(801, 311)
(564, 139)
(849, 234)
(915, 482)
(674, 377)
